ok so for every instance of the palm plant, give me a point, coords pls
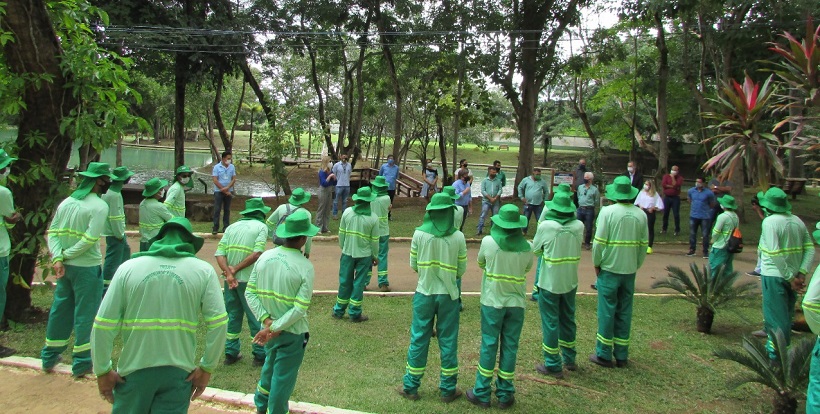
(706, 291)
(787, 375)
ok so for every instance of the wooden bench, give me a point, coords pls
(794, 186)
(503, 147)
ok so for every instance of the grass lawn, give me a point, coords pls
(359, 366)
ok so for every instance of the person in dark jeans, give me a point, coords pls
(671, 184)
(703, 201)
(588, 197)
(224, 177)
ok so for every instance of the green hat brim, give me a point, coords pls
(561, 209)
(127, 176)
(182, 170)
(197, 241)
(615, 195)
(378, 184)
(146, 193)
(95, 175)
(764, 202)
(357, 197)
(264, 210)
(498, 221)
(282, 232)
(297, 202)
(726, 204)
(5, 163)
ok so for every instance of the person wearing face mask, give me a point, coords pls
(390, 172)
(533, 191)
(153, 214)
(224, 178)
(578, 176)
(702, 202)
(117, 250)
(430, 178)
(341, 170)
(501, 176)
(671, 184)
(175, 201)
(74, 245)
(464, 193)
(650, 202)
(490, 197)
(635, 177)
(588, 199)
(10, 216)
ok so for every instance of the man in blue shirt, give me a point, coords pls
(463, 191)
(342, 171)
(702, 201)
(224, 177)
(390, 172)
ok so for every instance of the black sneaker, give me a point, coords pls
(506, 404)
(600, 361)
(452, 397)
(753, 274)
(542, 369)
(258, 362)
(475, 401)
(6, 352)
(691, 253)
(231, 359)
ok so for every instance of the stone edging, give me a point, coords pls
(230, 398)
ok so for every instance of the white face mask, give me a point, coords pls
(162, 193)
(630, 169)
(184, 180)
(6, 172)
(673, 172)
(228, 162)
(646, 187)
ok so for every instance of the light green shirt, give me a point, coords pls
(115, 224)
(811, 302)
(153, 215)
(280, 212)
(559, 246)
(490, 188)
(74, 233)
(724, 226)
(280, 288)
(621, 238)
(785, 246)
(156, 303)
(6, 210)
(458, 216)
(439, 261)
(359, 234)
(240, 240)
(175, 199)
(588, 197)
(504, 283)
(381, 208)
(534, 191)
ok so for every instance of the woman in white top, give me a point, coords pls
(650, 202)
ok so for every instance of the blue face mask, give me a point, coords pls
(390, 162)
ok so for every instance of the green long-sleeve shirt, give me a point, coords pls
(621, 238)
(504, 282)
(74, 233)
(559, 245)
(280, 288)
(282, 211)
(439, 261)
(359, 234)
(588, 196)
(785, 246)
(153, 215)
(381, 208)
(240, 240)
(811, 302)
(458, 216)
(6, 210)
(535, 192)
(490, 188)
(724, 226)
(156, 302)
(115, 224)
(175, 199)
(503, 177)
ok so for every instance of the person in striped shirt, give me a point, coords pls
(811, 310)
(381, 207)
(153, 214)
(238, 250)
(117, 250)
(175, 201)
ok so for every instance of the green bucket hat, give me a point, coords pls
(440, 201)
(816, 233)
(728, 202)
(774, 200)
(299, 197)
(182, 170)
(621, 189)
(379, 181)
(297, 224)
(562, 203)
(364, 194)
(183, 224)
(450, 191)
(5, 159)
(97, 169)
(563, 188)
(121, 174)
(509, 217)
(255, 204)
(153, 186)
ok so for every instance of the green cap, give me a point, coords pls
(621, 189)
(183, 169)
(299, 196)
(727, 202)
(121, 174)
(509, 217)
(440, 201)
(183, 224)
(450, 191)
(562, 203)
(153, 186)
(364, 194)
(255, 204)
(379, 181)
(297, 224)
(5, 159)
(97, 169)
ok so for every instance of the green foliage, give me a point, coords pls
(703, 289)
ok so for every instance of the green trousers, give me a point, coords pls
(813, 393)
(445, 312)
(778, 309)
(557, 328)
(278, 378)
(153, 390)
(384, 247)
(354, 275)
(500, 328)
(4, 280)
(237, 308)
(615, 293)
(719, 257)
(537, 274)
(117, 251)
(144, 246)
(77, 297)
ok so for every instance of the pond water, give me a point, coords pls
(479, 173)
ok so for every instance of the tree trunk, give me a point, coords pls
(314, 76)
(705, 319)
(784, 404)
(526, 126)
(238, 109)
(442, 149)
(118, 159)
(394, 77)
(227, 142)
(180, 83)
(661, 107)
(210, 135)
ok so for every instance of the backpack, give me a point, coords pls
(278, 240)
(735, 242)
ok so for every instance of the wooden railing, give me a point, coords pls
(405, 184)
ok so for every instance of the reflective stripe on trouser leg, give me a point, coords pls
(549, 309)
(447, 320)
(278, 377)
(362, 267)
(567, 327)
(421, 329)
(491, 320)
(615, 292)
(778, 309)
(233, 306)
(719, 257)
(813, 393)
(346, 272)
(508, 353)
(88, 286)
(254, 326)
(157, 389)
(384, 248)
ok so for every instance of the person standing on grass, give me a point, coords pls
(342, 171)
(724, 226)
(359, 240)
(175, 201)
(721, 187)
(279, 294)
(458, 211)
(464, 193)
(438, 253)
(390, 172)
(156, 301)
(117, 250)
(462, 166)
(650, 202)
(236, 253)
(786, 252)
(533, 191)
(671, 184)
(381, 208)
(10, 217)
(506, 258)
(224, 178)
(811, 310)
(501, 175)
(588, 200)
(635, 176)
(430, 178)
(297, 199)
(702, 200)
(558, 247)
(153, 214)
(562, 188)
(618, 252)
(326, 183)
(490, 197)
(74, 245)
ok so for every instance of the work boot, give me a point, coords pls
(361, 318)
(384, 288)
(600, 361)
(474, 400)
(230, 359)
(6, 352)
(571, 367)
(621, 363)
(258, 362)
(542, 369)
(407, 395)
(506, 404)
(452, 397)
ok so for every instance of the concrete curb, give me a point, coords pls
(230, 398)
(403, 294)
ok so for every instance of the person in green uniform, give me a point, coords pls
(297, 199)
(786, 252)
(533, 191)
(381, 208)
(506, 257)
(279, 294)
(10, 216)
(458, 211)
(562, 188)
(156, 301)
(558, 246)
(74, 244)
(438, 253)
(153, 214)
(238, 250)
(117, 250)
(618, 251)
(175, 200)
(359, 240)
(726, 223)
(811, 310)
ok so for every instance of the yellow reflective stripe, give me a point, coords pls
(354, 302)
(437, 263)
(549, 350)
(116, 218)
(784, 251)
(56, 342)
(448, 372)
(415, 371)
(279, 297)
(357, 234)
(151, 226)
(506, 278)
(603, 340)
(105, 324)
(566, 344)
(230, 335)
(235, 247)
(622, 243)
(175, 207)
(342, 301)
(558, 260)
(509, 376)
(621, 341)
(81, 348)
(262, 390)
(218, 320)
(812, 306)
(485, 372)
